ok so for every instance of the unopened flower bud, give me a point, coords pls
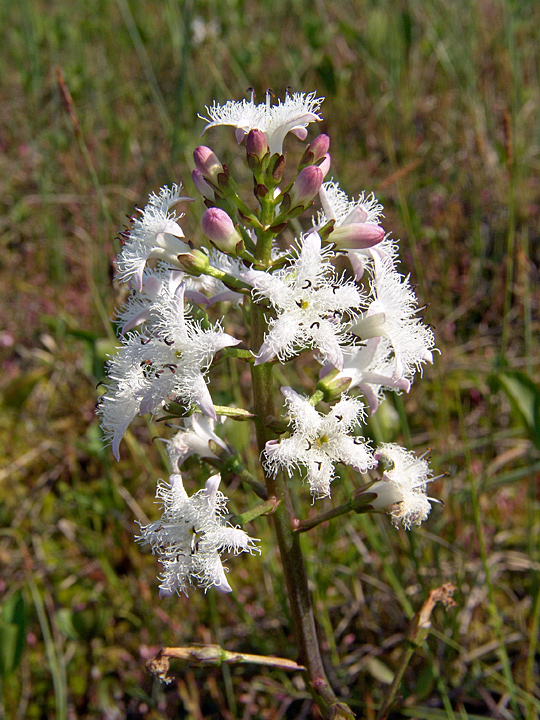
(319, 147)
(325, 165)
(306, 186)
(332, 383)
(315, 152)
(256, 144)
(207, 163)
(357, 236)
(195, 262)
(276, 168)
(219, 228)
(200, 183)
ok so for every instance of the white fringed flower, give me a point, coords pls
(191, 536)
(193, 439)
(392, 315)
(155, 233)
(290, 115)
(402, 490)
(310, 303)
(168, 363)
(318, 441)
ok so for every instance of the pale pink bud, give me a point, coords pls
(325, 165)
(319, 147)
(219, 228)
(200, 183)
(306, 186)
(256, 144)
(357, 236)
(207, 163)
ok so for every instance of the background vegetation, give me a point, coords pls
(435, 106)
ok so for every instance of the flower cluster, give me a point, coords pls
(239, 289)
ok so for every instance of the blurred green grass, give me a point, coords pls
(433, 105)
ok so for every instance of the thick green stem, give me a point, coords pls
(289, 541)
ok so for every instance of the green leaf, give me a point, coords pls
(380, 671)
(12, 632)
(524, 396)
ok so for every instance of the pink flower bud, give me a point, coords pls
(207, 163)
(325, 165)
(306, 186)
(319, 147)
(256, 144)
(219, 228)
(200, 183)
(357, 236)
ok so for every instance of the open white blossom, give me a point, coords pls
(193, 439)
(310, 303)
(154, 233)
(191, 536)
(167, 364)
(290, 115)
(393, 315)
(402, 490)
(318, 441)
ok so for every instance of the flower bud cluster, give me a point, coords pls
(362, 329)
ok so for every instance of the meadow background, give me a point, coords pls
(434, 106)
